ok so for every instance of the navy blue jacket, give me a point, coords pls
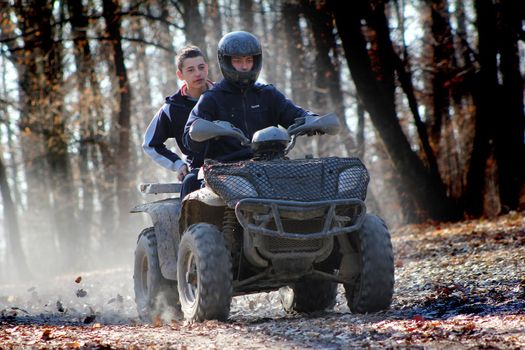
(250, 110)
(169, 122)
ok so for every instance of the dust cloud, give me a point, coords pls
(90, 283)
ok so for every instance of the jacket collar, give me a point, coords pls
(184, 88)
(225, 85)
(183, 92)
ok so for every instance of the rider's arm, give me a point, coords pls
(286, 110)
(204, 109)
(158, 131)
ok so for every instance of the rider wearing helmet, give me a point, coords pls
(240, 100)
(240, 44)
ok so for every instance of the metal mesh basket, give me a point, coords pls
(298, 180)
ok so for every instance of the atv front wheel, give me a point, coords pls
(154, 295)
(309, 295)
(373, 282)
(204, 274)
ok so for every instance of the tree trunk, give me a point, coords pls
(375, 85)
(89, 111)
(246, 10)
(485, 91)
(360, 134)
(214, 28)
(327, 94)
(113, 28)
(14, 244)
(296, 53)
(193, 24)
(275, 43)
(510, 126)
(443, 64)
(167, 57)
(44, 124)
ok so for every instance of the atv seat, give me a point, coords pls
(156, 188)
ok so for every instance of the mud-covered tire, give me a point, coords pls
(204, 274)
(373, 286)
(155, 296)
(309, 295)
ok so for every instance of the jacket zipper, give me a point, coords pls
(244, 112)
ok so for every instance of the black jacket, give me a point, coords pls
(169, 122)
(250, 110)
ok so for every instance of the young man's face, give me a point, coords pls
(194, 72)
(242, 63)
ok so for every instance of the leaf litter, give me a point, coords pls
(458, 285)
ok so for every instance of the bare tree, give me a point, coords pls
(113, 32)
(510, 126)
(169, 78)
(43, 100)
(193, 24)
(484, 90)
(214, 31)
(296, 52)
(327, 93)
(373, 74)
(246, 11)
(11, 229)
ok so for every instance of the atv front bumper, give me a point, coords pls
(300, 220)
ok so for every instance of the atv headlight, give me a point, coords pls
(350, 180)
(239, 187)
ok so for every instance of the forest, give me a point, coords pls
(430, 94)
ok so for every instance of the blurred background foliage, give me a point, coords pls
(430, 93)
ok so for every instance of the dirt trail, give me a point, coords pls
(458, 286)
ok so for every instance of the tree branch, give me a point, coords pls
(177, 7)
(133, 13)
(103, 38)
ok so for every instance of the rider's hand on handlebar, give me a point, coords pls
(315, 132)
(298, 122)
(227, 125)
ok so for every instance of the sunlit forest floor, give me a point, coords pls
(458, 285)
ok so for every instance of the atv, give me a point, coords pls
(270, 223)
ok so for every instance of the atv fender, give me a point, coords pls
(200, 206)
(165, 216)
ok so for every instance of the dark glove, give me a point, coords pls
(297, 123)
(227, 125)
(315, 132)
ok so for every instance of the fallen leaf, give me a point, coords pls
(81, 293)
(118, 298)
(157, 321)
(90, 319)
(60, 307)
(78, 279)
(418, 318)
(74, 345)
(46, 335)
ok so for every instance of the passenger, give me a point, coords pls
(171, 118)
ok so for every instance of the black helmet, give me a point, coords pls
(239, 44)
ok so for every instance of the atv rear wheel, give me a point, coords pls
(204, 274)
(155, 296)
(373, 282)
(309, 295)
